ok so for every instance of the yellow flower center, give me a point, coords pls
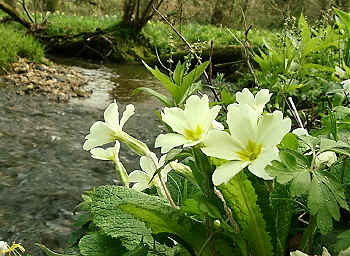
(251, 152)
(194, 134)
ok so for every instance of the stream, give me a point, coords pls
(43, 168)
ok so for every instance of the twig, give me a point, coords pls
(296, 112)
(160, 61)
(26, 11)
(246, 50)
(192, 51)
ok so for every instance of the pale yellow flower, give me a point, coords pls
(190, 125)
(251, 142)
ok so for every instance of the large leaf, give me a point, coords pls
(161, 218)
(130, 215)
(325, 198)
(242, 199)
(99, 244)
(115, 222)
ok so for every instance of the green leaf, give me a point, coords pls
(344, 17)
(161, 218)
(130, 216)
(282, 207)
(294, 166)
(141, 250)
(179, 73)
(290, 141)
(165, 80)
(191, 77)
(98, 244)
(325, 197)
(113, 221)
(300, 183)
(343, 241)
(164, 99)
(240, 196)
(315, 196)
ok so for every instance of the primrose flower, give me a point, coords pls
(111, 130)
(14, 249)
(252, 142)
(149, 167)
(327, 158)
(191, 124)
(112, 155)
(258, 102)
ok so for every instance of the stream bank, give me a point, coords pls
(43, 168)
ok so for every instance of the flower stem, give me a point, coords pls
(171, 201)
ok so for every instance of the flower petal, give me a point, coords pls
(242, 122)
(257, 167)
(169, 141)
(220, 144)
(225, 172)
(175, 118)
(129, 111)
(139, 177)
(261, 98)
(197, 112)
(147, 165)
(272, 128)
(111, 116)
(245, 97)
(140, 186)
(100, 134)
(217, 125)
(102, 154)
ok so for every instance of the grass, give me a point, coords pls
(161, 35)
(68, 24)
(14, 44)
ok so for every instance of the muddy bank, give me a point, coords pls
(43, 169)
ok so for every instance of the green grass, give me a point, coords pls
(14, 44)
(66, 24)
(162, 36)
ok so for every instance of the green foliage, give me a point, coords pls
(71, 25)
(180, 84)
(325, 194)
(99, 244)
(298, 62)
(240, 196)
(14, 44)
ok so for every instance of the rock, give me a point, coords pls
(59, 83)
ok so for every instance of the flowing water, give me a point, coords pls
(43, 169)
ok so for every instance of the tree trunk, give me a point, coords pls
(15, 14)
(11, 3)
(138, 12)
(52, 5)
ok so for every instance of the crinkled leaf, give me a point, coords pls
(160, 218)
(113, 221)
(99, 244)
(242, 199)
